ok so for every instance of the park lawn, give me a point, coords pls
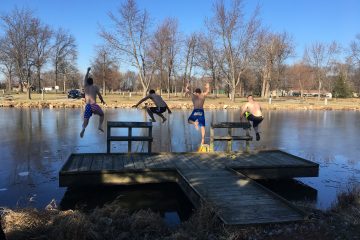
(52, 100)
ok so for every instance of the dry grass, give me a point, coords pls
(177, 102)
(111, 222)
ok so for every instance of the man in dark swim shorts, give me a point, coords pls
(252, 112)
(197, 117)
(160, 104)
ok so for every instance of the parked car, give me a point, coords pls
(74, 94)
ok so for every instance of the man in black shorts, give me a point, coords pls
(252, 112)
(160, 104)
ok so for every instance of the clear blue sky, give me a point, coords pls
(307, 21)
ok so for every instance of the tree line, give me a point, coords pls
(235, 53)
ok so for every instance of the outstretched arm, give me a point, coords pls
(100, 97)
(142, 100)
(86, 77)
(207, 89)
(187, 90)
(243, 110)
(167, 107)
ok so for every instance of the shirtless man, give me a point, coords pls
(252, 112)
(91, 106)
(160, 104)
(197, 117)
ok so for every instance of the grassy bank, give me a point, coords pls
(178, 102)
(342, 221)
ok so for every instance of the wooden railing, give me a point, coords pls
(129, 138)
(229, 138)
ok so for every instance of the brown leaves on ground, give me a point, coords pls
(111, 222)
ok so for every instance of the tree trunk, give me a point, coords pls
(319, 90)
(64, 89)
(39, 80)
(214, 83)
(28, 90)
(56, 78)
(9, 83)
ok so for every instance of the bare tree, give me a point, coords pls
(272, 51)
(42, 36)
(130, 40)
(18, 27)
(355, 59)
(236, 37)
(64, 54)
(7, 66)
(321, 57)
(190, 49)
(207, 59)
(165, 48)
(355, 50)
(103, 67)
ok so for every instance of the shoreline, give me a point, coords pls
(179, 105)
(115, 101)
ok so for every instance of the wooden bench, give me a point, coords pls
(129, 138)
(229, 138)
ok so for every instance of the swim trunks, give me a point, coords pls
(92, 109)
(199, 115)
(157, 109)
(256, 120)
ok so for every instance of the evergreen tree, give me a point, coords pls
(341, 88)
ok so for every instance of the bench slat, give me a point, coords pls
(228, 138)
(130, 124)
(132, 138)
(243, 125)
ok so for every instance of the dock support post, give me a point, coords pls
(229, 142)
(108, 134)
(150, 142)
(129, 142)
(211, 139)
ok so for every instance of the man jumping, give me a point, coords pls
(160, 104)
(91, 106)
(197, 116)
(252, 112)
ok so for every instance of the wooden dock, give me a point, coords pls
(224, 180)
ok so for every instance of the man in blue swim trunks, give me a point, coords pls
(197, 117)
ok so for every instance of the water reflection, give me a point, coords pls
(166, 199)
(34, 144)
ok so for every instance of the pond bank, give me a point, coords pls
(116, 101)
(342, 221)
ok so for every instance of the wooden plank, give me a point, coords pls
(180, 162)
(138, 161)
(235, 138)
(118, 162)
(86, 163)
(229, 199)
(130, 138)
(128, 162)
(97, 163)
(108, 163)
(243, 125)
(129, 124)
(73, 163)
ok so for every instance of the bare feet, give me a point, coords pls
(82, 133)
(196, 123)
